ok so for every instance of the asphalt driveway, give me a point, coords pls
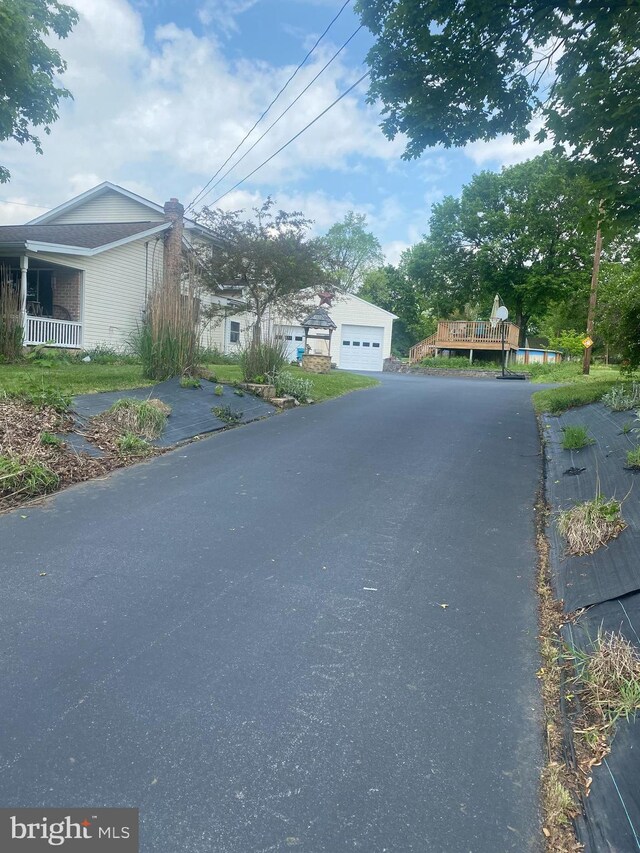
(248, 639)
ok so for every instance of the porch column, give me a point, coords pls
(24, 266)
(470, 356)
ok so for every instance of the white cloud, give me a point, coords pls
(223, 13)
(504, 152)
(164, 113)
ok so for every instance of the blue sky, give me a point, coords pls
(165, 89)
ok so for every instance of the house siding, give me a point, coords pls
(108, 207)
(114, 290)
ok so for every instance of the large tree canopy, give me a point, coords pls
(453, 71)
(268, 256)
(516, 233)
(351, 251)
(29, 94)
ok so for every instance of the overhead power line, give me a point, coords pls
(204, 194)
(293, 138)
(23, 203)
(248, 134)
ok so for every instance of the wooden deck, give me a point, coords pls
(466, 335)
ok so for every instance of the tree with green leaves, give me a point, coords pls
(268, 256)
(449, 72)
(390, 288)
(517, 233)
(351, 251)
(29, 68)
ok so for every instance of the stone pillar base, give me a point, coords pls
(316, 363)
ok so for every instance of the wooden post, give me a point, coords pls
(470, 356)
(593, 296)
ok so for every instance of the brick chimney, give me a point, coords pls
(173, 213)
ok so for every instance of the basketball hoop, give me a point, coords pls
(494, 322)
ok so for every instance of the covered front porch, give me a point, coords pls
(50, 299)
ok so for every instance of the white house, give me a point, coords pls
(86, 267)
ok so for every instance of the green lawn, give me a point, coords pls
(88, 378)
(579, 391)
(325, 386)
(71, 378)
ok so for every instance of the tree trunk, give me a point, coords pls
(593, 296)
(257, 328)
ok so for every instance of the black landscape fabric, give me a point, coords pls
(191, 408)
(611, 820)
(613, 570)
(607, 584)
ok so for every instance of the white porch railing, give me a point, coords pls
(59, 333)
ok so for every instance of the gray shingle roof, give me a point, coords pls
(319, 319)
(85, 235)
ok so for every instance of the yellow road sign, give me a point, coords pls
(587, 342)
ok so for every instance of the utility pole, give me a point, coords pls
(593, 296)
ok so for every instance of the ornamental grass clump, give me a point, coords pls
(145, 418)
(262, 358)
(608, 675)
(130, 444)
(26, 477)
(167, 342)
(633, 458)
(591, 524)
(575, 437)
(11, 331)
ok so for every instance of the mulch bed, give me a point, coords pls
(21, 428)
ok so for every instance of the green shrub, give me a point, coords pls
(48, 439)
(621, 397)
(227, 414)
(458, 362)
(633, 458)
(145, 418)
(212, 355)
(130, 444)
(260, 359)
(218, 390)
(105, 354)
(293, 386)
(41, 396)
(29, 478)
(189, 382)
(575, 437)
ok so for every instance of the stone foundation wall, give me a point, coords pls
(66, 292)
(392, 365)
(316, 363)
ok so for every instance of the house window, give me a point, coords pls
(346, 343)
(376, 345)
(288, 338)
(356, 343)
(298, 337)
(365, 343)
(234, 333)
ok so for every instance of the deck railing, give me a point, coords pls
(464, 334)
(59, 333)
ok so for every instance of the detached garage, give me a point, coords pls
(362, 339)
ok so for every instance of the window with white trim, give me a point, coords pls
(234, 332)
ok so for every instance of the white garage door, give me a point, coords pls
(294, 338)
(361, 347)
